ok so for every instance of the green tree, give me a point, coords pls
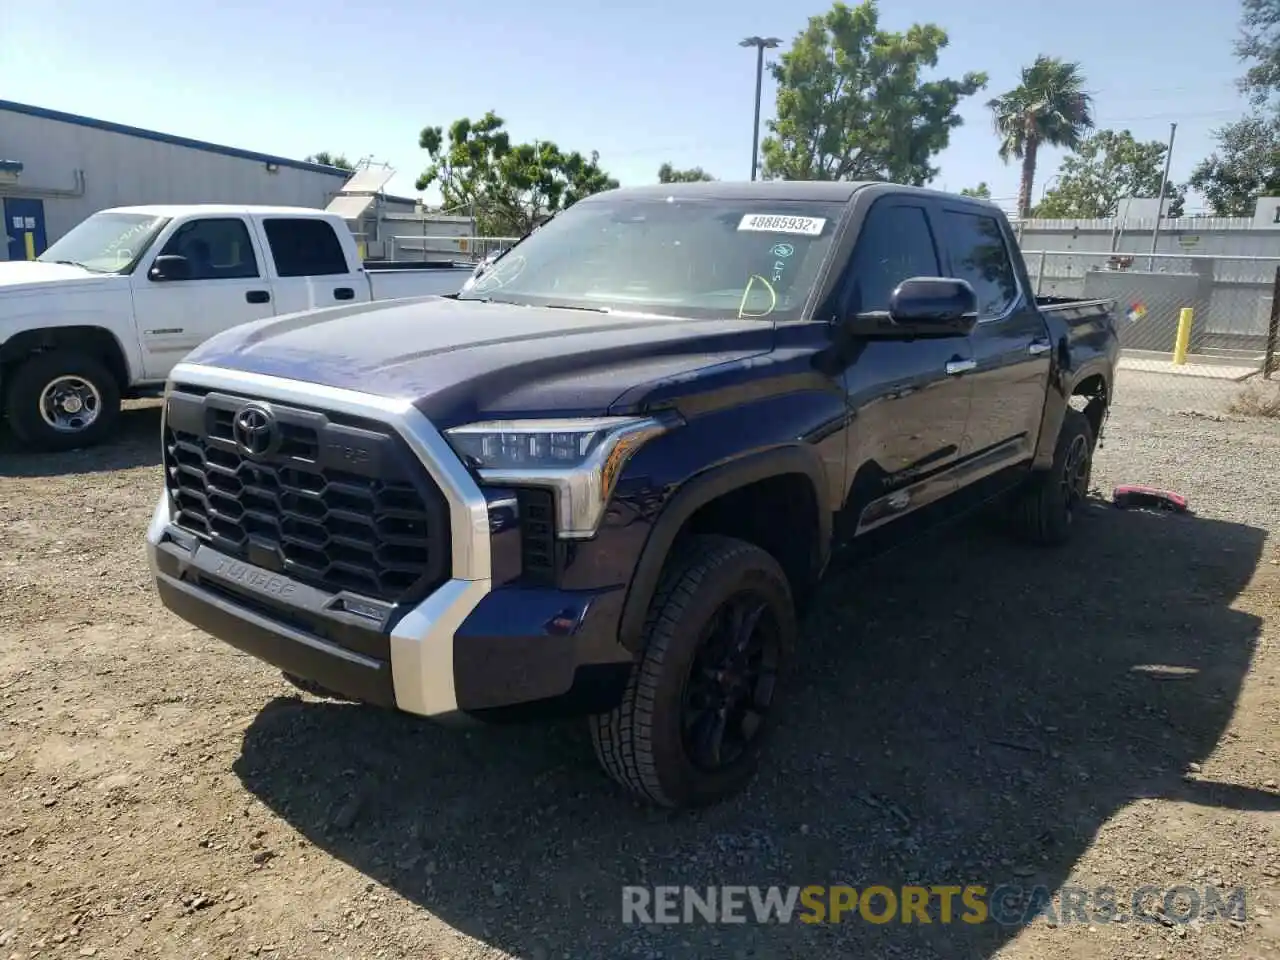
(981, 191)
(1259, 43)
(327, 159)
(851, 103)
(1244, 167)
(508, 187)
(1246, 163)
(1050, 106)
(669, 174)
(1105, 168)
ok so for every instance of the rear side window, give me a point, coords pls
(894, 244)
(980, 255)
(304, 248)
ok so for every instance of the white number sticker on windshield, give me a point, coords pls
(777, 223)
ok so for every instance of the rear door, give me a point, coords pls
(226, 286)
(909, 398)
(310, 268)
(1010, 342)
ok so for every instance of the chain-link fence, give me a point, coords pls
(1212, 318)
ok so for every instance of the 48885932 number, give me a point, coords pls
(781, 223)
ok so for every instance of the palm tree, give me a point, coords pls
(1048, 106)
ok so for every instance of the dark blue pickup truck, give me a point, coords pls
(605, 477)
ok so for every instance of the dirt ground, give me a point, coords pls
(965, 711)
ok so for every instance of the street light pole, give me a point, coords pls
(760, 43)
(1164, 186)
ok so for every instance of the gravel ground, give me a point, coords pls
(968, 711)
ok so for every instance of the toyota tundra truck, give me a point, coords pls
(604, 478)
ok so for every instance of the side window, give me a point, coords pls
(215, 248)
(979, 254)
(305, 248)
(894, 244)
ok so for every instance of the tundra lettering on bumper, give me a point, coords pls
(462, 647)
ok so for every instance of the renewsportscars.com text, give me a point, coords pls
(1005, 904)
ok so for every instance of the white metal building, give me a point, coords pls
(57, 168)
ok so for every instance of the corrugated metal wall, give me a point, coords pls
(1234, 260)
(1188, 236)
(120, 170)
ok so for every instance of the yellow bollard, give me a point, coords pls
(29, 241)
(1183, 340)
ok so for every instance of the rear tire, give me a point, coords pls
(62, 400)
(700, 704)
(1045, 512)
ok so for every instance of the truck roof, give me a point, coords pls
(183, 209)
(834, 191)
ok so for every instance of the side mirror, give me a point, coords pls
(934, 305)
(921, 307)
(169, 266)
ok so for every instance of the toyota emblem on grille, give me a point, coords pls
(254, 429)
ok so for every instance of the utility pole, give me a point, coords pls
(1164, 186)
(760, 43)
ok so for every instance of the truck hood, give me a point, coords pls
(25, 275)
(464, 360)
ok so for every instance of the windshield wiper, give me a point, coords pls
(545, 306)
(74, 263)
(566, 306)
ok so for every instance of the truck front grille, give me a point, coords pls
(337, 503)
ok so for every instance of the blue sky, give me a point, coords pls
(640, 83)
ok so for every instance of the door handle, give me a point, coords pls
(957, 367)
(344, 293)
(1038, 347)
(257, 296)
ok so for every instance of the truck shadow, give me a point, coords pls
(136, 443)
(965, 711)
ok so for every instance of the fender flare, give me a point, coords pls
(1056, 406)
(1099, 367)
(33, 325)
(696, 492)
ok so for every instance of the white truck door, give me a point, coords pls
(222, 285)
(311, 267)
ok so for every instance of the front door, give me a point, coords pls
(909, 398)
(1010, 343)
(24, 227)
(225, 287)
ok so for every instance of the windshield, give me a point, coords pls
(106, 242)
(695, 258)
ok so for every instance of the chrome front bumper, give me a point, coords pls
(422, 642)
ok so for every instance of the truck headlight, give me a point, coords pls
(579, 458)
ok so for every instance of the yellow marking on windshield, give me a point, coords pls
(746, 292)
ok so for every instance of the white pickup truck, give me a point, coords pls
(106, 312)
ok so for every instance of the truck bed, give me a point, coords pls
(1074, 308)
(396, 279)
(372, 265)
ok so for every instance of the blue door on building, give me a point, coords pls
(24, 226)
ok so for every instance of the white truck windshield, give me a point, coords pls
(106, 242)
(695, 258)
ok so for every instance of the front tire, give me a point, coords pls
(700, 704)
(61, 400)
(1045, 512)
